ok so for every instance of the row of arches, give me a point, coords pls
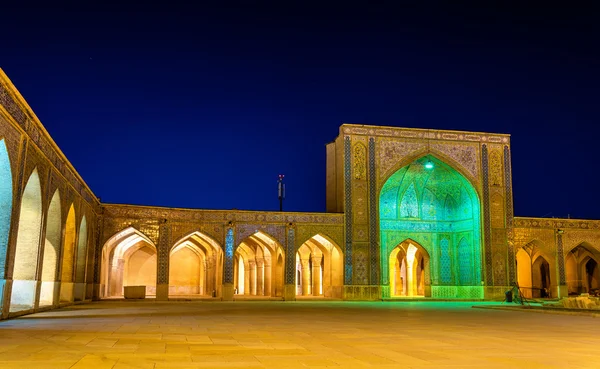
(129, 258)
(535, 270)
(50, 255)
(196, 262)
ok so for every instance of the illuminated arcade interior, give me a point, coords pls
(319, 268)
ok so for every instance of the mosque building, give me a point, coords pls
(411, 214)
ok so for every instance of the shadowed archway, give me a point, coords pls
(582, 271)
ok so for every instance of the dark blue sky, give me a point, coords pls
(203, 106)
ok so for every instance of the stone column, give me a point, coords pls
(116, 278)
(236, 273)
(247, 279)
(260, 270)
(305, 276)
(410, 278)
(209, 283)
(399, 288)
(316, 275)
(252, 267)
(268, 283)
(563, 290)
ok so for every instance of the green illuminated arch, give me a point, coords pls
(432, 203)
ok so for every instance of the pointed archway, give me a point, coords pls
(66, 274)
(582, 271)
(541, 280)
(257, 267)
(129, 258)
(319, 268)
(409, 270)
(523, 260)
(49, 288)
(81, 261)
(28, 246)
(433, 202)
(195, 266)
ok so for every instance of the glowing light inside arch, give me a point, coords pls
(432, 203)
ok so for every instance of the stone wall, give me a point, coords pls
(35, 159)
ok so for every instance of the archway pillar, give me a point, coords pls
(247, 279)
(5, 285)
(260, 272)
(268, 278)
(305, 277)
(316, 276)
(560, 275)
(163, 261)
(252, 279)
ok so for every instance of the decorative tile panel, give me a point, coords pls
(164, 243)
(445, 265)
(373, 218)
(509, 215)
(348, 210)
(487, 231)
(466, 156)
(290, 257)
(229, 247)
(561, 260)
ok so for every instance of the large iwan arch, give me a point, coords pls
(432, 203)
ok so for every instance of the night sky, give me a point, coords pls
(203, 106)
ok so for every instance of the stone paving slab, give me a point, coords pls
(304, 334)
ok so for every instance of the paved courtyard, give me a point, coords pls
(313, 334)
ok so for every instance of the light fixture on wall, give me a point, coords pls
(429, 163)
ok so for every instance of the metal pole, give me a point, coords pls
(281, 191)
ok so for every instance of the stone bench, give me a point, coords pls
(134, 292)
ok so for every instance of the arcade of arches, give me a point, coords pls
(411, 213)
